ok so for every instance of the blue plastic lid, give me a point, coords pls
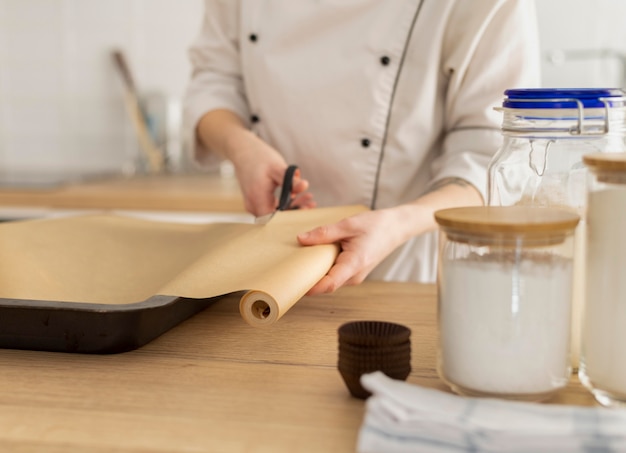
(563, 98)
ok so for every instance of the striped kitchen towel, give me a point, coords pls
(402, 417)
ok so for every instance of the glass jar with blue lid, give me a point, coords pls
(546, 132)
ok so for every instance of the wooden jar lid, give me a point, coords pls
(606, 162)
(609, 168)
(486, 224)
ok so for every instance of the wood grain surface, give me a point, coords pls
(189, 192)
(215, 384)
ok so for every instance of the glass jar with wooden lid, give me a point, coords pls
(603, 355)
(504, 300)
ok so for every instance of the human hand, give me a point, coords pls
(259, 167)
(365, 239)
(260, 170)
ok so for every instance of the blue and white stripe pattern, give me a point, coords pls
(402, 417)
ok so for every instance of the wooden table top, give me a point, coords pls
(168, 192)
(215, 384)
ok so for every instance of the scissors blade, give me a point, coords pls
(262, 220)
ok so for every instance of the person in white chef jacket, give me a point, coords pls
(386, 103)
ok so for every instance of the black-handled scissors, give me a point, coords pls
(285, 199)
(284, 202)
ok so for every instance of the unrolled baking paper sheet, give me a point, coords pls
(112, 259)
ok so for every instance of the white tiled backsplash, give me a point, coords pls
(583, 42)
(61, 101)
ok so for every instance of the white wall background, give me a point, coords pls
(583, 42)
(61, 101)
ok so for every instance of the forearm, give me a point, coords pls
(258, 166)
(417, 217)
(224, 133)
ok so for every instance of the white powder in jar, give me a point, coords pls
(603, 359)
(505, 327)
(578, 296)
(555, 198)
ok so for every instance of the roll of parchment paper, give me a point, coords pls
(260, 309)
(285, 284)
(112, 259)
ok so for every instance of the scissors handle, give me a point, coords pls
(285, 193)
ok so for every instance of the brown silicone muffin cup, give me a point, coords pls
(373, 333)
(392, 369)
(375, 350)
(374, 361)
(368, 346)
(382, 364)
(353, 381)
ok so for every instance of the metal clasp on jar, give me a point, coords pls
(585, 124)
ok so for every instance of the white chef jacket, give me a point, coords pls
(374, 100)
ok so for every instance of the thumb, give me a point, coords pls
(326, 234)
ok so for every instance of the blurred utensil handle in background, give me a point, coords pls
(154, 156)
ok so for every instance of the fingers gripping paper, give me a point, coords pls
(109, 259)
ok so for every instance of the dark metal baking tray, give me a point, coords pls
(91, 328)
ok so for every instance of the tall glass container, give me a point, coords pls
(546, 132)
(603, 355)
(504, 300)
